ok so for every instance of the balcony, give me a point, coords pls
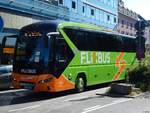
(42, 8)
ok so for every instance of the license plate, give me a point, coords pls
(27, 85)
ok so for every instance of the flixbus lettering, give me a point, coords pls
(95, 57)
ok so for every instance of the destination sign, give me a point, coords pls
(32, 34)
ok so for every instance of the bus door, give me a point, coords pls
(60, 55)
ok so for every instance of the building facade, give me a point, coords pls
(18, 13)
(126, 23)
(99, 12)
(126, 20)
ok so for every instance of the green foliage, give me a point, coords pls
(140, 75)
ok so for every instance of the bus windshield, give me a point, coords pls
(34, 53)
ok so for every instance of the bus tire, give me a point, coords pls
(80, 84)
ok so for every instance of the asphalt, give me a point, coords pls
(94, 100)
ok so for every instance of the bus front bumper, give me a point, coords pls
(41, 83)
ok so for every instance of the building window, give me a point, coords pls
(108, 17)
(60, 2)
(109, 2)
(131, 25)
(122, 22)
(115, 20)
(73, 5)
(83, 9)
(127, 25)
(118, 20)
(122, 32)
(105, 2)
(92, 12)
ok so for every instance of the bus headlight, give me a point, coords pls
(45, 81)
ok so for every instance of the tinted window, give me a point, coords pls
(78, 38)
(102, 42)
(129, 44)
(98, 41)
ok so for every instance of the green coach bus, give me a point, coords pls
(53, 56)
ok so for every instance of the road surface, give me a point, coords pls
(92, 101)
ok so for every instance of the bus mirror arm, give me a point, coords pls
(48, 35)
(52, 34)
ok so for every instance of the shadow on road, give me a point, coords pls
(28, 96)
(115, 95)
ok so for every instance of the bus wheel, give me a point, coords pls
(80, 84)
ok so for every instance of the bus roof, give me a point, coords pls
(43, 25)
(53, 24)
(90, 27)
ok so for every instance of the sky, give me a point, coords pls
(141, 7)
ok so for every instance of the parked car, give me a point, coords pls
(5, 76)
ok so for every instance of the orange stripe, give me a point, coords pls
(121, 68)
(120, 65)
(118, 60)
